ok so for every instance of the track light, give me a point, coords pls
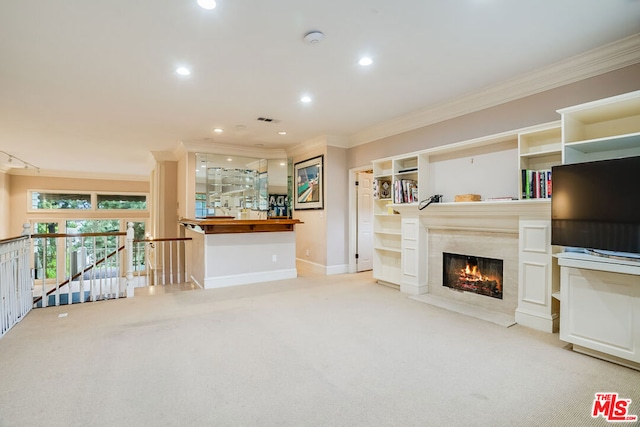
(26, 164)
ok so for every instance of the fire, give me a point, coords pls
(463, 273)
(471, 274)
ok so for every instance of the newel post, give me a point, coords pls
(129, 250)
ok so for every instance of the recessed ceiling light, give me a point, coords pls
(283, 164)
(365, 61)
(207, 4)
(282, 132)
(218, 130)
(229, 159)
(183, 71)
(306, 99)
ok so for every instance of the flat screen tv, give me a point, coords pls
(596, 205)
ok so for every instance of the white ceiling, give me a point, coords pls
(90, 86)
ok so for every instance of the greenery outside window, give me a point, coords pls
(120, 201)
(60, 200)
(41, 200)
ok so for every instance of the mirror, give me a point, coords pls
(233, 186)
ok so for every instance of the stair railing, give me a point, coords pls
(15, 281)
(91, 267)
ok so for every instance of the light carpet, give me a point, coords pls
(311, 351)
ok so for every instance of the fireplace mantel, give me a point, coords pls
(528, 220)
(450, 215)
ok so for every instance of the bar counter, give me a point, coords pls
(229, 225)
(231, 252)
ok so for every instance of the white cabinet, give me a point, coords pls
(600, 312)
(414, 268)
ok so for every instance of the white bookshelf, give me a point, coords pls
(600, 295)
(539, 149)
(604, 129)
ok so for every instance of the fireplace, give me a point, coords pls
(479, 275)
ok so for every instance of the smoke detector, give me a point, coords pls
(313, 37)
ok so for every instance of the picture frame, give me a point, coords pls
(309, 184)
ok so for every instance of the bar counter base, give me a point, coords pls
(223, 259)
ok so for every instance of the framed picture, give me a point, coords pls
(309, 184)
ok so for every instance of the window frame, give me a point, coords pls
(93, 198)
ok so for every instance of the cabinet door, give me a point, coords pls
(536, 308)
(413, 248)
(601, 311)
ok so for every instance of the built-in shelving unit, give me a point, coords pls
(493, 167)
(387, 229)
(489, 166)
(539, 149)
(603, 129)
(600, 295)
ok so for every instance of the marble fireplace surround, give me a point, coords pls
(502, 246)
(518, 232)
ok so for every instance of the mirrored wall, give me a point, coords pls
(241, 187)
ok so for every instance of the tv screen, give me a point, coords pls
(596, 205)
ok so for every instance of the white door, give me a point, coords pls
(364, 246)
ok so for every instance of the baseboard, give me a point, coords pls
(409, 289)
(536, 321)
(312, 267)
(325, 270)
(249, 278)
(608, 357)
(337, 269)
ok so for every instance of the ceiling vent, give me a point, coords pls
(268, 120)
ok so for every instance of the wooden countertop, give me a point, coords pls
(227, 225)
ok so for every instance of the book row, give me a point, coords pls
(406, 191)
(536, 184)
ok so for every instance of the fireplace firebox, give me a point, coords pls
(474, 274)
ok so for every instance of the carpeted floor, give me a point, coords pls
(312, 351)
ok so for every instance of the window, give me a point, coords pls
(60, 200)
(45, 251)
(87, 201)
(119, 201)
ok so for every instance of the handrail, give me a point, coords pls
(53, 235)
(13, 239)
(80, 273)
(163, 239)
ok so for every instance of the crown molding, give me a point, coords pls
(200, 146)
(319, 142)
(47, 173)
(609, 57)
(316, 143)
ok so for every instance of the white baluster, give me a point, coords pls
(129, 249)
